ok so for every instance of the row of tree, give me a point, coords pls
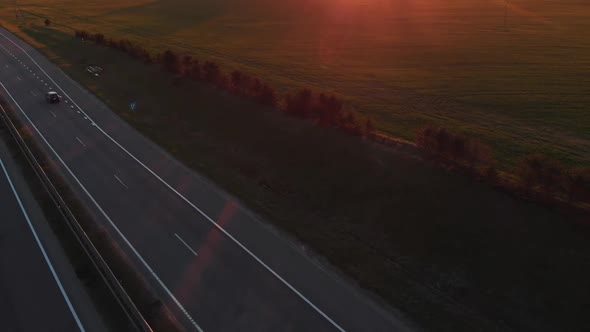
(535, 173)
(326, 110)
(122, 45)
(538, 173)
(189, 67)
(455, 147)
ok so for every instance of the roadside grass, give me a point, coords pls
(522, 89)
(450, 253)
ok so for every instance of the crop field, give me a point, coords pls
(517, 77)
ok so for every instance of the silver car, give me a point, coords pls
(52, 97)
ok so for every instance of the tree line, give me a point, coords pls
(452, 146)
(541, 174)
(536, 174)
(326, 110)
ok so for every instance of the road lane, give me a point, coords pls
(29, 285)
(217, 275)
(247, 276)
(39, 289)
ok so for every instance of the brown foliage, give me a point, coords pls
(369, 128)
(425, 138)
(211, 72)
(538, 172)
(577, 184)
(171, 62)
(195, 70)
(99, 39)
(304, 103)
(447, 145)
(299, 104)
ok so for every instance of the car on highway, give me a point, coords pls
(52, 97)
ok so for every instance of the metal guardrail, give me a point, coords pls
(99, 263)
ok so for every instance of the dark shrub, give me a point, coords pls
(211, 72)
(170, 61)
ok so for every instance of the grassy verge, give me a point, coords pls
(451, 253)
(135, 285)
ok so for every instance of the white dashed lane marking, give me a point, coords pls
(79, 140)
(124, 185)
(185, 244)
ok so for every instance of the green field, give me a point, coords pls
(523, 87)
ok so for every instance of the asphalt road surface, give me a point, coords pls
(216, 264)
(39, 290)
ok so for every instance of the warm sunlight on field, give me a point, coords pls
(519, 82)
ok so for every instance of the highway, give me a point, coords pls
(39, 290)
(217, 265)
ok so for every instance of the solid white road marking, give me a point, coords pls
(55, 116)
(124, 185)
(45, 256)
(186, 245)
(135, 252)
(80, 141)
(166, 184)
